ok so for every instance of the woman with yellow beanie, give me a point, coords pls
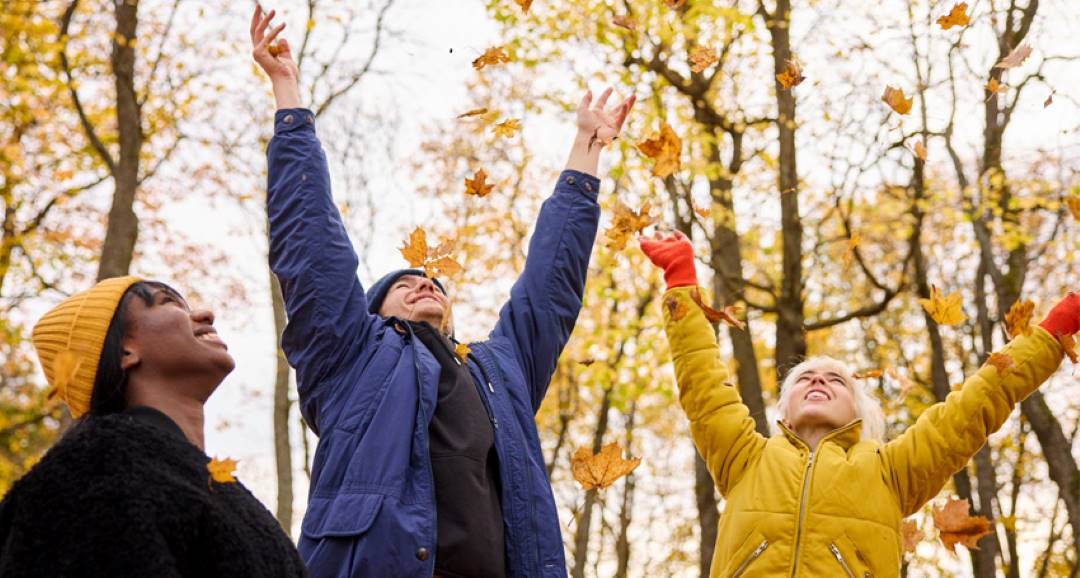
(127, 490)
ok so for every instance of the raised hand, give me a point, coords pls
(602, 125)
(1064, 318)
(275, 59)
(673, 253)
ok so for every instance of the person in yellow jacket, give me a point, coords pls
(825, 496)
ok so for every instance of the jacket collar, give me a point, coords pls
(845, 437)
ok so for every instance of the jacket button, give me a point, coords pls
(569, 180)
(287, 119)
(422, 554)
(588, 186)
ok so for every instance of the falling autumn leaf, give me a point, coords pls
(436, 261)
(701, 211)
(920, 150)
(1049, 100)
(222, 470)
(587, 362)
(1002, 362)
(868, 374)
(849, 252)
(727, 314)
(462, 351)
(894, 97)
(674, 3)
(1068, 344)
(624, 21)
(676, 307)
(946, 310)
(702, 57)
(1073, 203)
(792, 75)
(507, 128)
(276, 48)
(956, 526)
(491, 57)
(664, 149)
(626, 222)
(473, 112)
(995, 87)
(478, 186)
(911, 535)
(525, 4)
(956, 17)
(602, 469)
(1018, 319)
(1016, 57)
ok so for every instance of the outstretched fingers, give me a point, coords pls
(260, 29)
(603, 99)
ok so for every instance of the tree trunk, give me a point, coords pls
(581, 534)
(622, 542)
(123, 225)
(1057, 450)
(708, 513)
(282, 446)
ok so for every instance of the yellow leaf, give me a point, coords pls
(896, 100)
(1018, 319)
(462, 351)
(222, 470)
(956, 17)
(702, 57)
(602, 469)
(436, 262)
(945, 310)
(792, 75)
(664, 149)
(849, 252)
(868, 374)
(956, 526)
(491, 57)
(415, 249)
(995, 87)
(478, 186)
(626, 222)
(1002, 362)
(507, 128)
(310, 23)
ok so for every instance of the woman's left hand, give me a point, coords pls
(601, 124)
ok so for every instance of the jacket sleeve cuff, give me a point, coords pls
(292, 120)
(578, 181)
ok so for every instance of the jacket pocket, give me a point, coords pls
(849, 558)
(341, 515)
(751, 549)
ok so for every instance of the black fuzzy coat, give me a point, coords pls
(127, 495)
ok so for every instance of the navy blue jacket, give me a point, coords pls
(368, 387)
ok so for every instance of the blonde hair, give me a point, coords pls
(867, 407)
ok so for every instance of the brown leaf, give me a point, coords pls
(478, 186)
(525, 4)
(956, 17)
(911, 535)
(792, 75)
(1018, 319)
(702, 57)
(727, 314)
(1003, 362)
(664, 149)
(491, 57)
(676, 307)
(222, 470)
(587, 362)
(1073, 203)
(1069, 345)
(625, 222)
(602, 469)
(674, 3)
(894, 97)
(624, 21)
(956, 526)
(1049, 100)
(473, 112)
(1016, 57)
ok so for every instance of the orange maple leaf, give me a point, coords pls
(956, 17)
(956, 526)
(995, 87)
(1073, 203)
(1002, 362)
(727, 314)
(436, 261)
(868, 374)
(1018, 319)
(664, 149)
(626, 222)
(222, 470)
(920, 150)
(792, 75)
(911, 535)
(894, 97)
(602, 469)
(525, 4)
(462, 351)
(478, 186)
(702, 57)
(491, 57)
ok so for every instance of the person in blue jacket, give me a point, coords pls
(426, 464)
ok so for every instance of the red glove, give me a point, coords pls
(675, 255)
(1064, 318)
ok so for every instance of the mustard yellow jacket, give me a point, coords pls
(835, 511)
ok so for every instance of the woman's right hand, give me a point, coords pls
(278, 64)
(673, 253)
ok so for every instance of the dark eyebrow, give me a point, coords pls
(171, 296)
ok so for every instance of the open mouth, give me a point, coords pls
(817, 394)
(210, 335)
(425, 298)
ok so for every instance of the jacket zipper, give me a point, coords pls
(802, 510)
(480, 392)
(427, 448)
(753, 556)
(839, 558)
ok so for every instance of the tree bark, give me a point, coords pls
(622, 542)
(581, 534)
(282, 404)
(708, 513)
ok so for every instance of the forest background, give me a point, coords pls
(132, 138)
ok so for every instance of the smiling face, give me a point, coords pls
(819, 396)
(416, 298)
(166, 342)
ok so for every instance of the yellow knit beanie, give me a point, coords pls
(70, 337)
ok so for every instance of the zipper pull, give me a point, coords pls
(495, 422)
(491, 388)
